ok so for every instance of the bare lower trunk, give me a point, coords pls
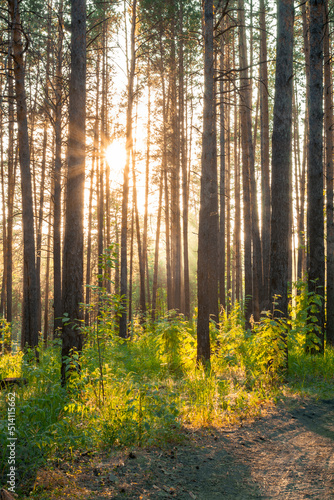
(129, 145)
(72, 290)
(315, 214)
(207, 292)
(29, 335)
(281, 159)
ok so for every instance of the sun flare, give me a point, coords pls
(116, 156)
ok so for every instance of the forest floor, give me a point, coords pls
(287, 453)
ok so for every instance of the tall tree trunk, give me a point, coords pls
(265, 173)
(57, 285)
(10, 194)
(207, 291)
(142, 297)
(72, 292)
(303, 182)
(43, 168)
(47, 278)
(4, 220)
(165, 106)
(281, 158)
(237, 219)
(315, 213)
(147, 180)
(183, 153)
(89, 242)
(329, 124)
(249, 146)
(129, 144)
(222, 293)
(245, 175)
(228, 199)
(29, 333)
(131, 263)
(156, 252)
(175, 228)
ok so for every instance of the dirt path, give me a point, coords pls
(287, 454)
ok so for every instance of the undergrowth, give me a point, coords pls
(144, 390)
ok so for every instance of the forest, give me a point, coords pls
(166, 248)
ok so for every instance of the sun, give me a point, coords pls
(115, 155)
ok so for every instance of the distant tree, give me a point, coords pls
(29, 332)
(72, 291)
(265, 160)
(123, 326)
(58, 89)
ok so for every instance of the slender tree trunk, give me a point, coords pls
(207, 291)
(237, 220)
(156, 253)
(47, 279)
(245, 177)
(100, 216)
(72, 292)
(142, 299)
(131, 261)
(315, 214)
(175, 228)
(228, 199)
(248, 144)
(29, 333)
(183, 152)
(89, 241)
(43, 169)
(10, 194)
(329, 127)
(265, 169)
(129, 144)
(147, 180)
(165, 105)
(303, 181)
(57, 285)
(4, 220)
(222, 293)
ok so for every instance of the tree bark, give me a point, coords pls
(57, 285)
(72, 292)
(156, 252)
(222, 293)
(315, 213)
(10, 194)
(207, 291)
(265, 169)
(125, 198)
(184, 170)
(29, 332)
(281, 158)
(329, 127)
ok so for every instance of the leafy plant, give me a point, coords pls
(305, 330)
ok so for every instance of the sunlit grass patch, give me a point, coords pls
(311, 374)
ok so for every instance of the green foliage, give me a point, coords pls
(176, 343)
(5, 334)
(258, 353)
(144, 389)
(305, 331)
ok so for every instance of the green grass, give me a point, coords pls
(144, 391)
